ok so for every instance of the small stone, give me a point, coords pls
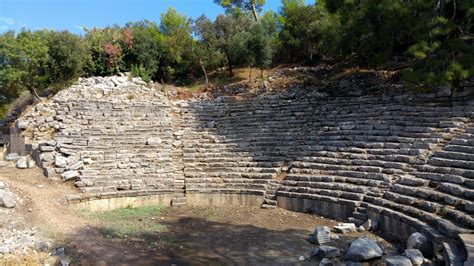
(360, 229)
(4, 250)
(30, 163)
(6, 200)
(41, 246)
(444, 91)
(60, 161)
(211, 124)
(45, 148)
(363, 249)
(75, 166)
(65, 262)
(301, 258)
(21, 163)
(321, 235)
(335, 237)
(398, 261)
(153, 141)
(68, 175)
(22, 124)
(415, 256)
(345, 228)
(326, 262)
(88, 161)
(2, 185)
(12, 157)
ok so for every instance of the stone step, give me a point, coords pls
(270, 202)
(267, 206)
(359, 216)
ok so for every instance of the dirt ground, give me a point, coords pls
(192, 235)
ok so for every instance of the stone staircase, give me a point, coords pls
(270, 199)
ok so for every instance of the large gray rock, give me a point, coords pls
(415, 256)
(398, 261)
(363, 249)
(420, 242)
(321, 235)
(6, 199)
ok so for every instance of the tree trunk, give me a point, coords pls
(250, 74)
(33, 91)
(229, 62)
(204, 71)
(254, 12)
(261, 73)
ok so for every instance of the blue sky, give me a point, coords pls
(73, 15)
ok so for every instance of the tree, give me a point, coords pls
(252, 5)
(231, 34)
(259, 46)
(206, 50)
(148, 47)
(299, 35)
(67, 56)
(179, 42)
(23, 62)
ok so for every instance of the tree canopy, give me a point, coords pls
(434, 39)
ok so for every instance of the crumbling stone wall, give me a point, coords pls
(404, 159)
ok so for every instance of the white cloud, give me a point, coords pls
(7, 21)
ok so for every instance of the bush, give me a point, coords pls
(142, 72)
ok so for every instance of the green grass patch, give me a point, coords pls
(140, 222)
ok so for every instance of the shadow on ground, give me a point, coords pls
(191, 241)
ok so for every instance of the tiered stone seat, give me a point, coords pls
(405, 161)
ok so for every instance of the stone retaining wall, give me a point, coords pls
(404, 160)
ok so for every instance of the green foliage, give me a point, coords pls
(105, 49)
(253, 6)
(142, 72)
(147, 49)
(67, 57)
(129, 222)
(23, 61)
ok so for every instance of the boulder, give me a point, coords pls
(6, 199)
(321, 235)
(2, 185)
(398, 261)
(420, 242)
(415, 256)
(68, 175)
(22, 163)
(363, 249)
